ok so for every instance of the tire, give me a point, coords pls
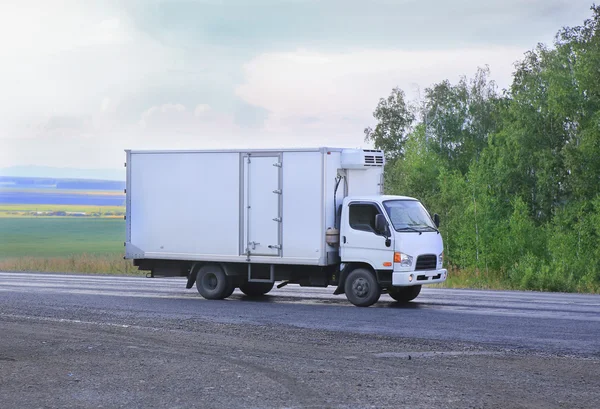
(212, 283)
(361, 288)
(404, 294)
(230, 289)
(256, 289)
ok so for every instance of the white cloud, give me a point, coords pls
(83, 80)
(108, 31)
(160, 113)
(71, 63)
(175, 117)
(202, 110)
(319, 90)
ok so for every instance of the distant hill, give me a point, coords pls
(64, 173)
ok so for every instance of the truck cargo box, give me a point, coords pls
(267, 206)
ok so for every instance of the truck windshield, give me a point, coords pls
(408, 215)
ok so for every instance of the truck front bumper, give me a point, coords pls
(404, 278)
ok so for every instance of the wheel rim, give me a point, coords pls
(210, 281)
(360, 287)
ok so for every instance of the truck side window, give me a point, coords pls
(362, 217)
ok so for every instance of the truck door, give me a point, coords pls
(359, 240)
(262, 205)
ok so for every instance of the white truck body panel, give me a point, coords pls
(217, 206)
(171, 193)
(303, 237)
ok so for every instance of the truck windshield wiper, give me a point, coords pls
(409, 228)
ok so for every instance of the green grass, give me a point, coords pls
(64, 244)
(60, 236)
(77, 263)
(473, 279)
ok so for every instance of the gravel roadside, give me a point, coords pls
(49, 363)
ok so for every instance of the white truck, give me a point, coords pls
(250, 218)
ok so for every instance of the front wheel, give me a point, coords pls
(404, 294)
(361, 288)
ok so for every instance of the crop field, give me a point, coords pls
(63, 244)
(45, 228)
(36, 196)
(56, 236)
(37, 210)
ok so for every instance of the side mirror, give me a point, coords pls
(436, 220)
(381, 224)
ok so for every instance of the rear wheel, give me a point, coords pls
(361, 288)
(256, 289)
(404, 294)
(230, 289)
(212, 283)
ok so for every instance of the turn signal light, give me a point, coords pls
(397, 257)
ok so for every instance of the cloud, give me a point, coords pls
(83, 80)
(157, 114)
(312, 90)
(177, 118)
(108, 105)
(202, 110)
(274, 25)
(72, 64)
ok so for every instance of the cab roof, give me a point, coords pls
(380, 198)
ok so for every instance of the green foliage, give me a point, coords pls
(419, 171)
(515, 176)
(459, 118)
(394, 118)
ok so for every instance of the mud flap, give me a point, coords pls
(343, 274)
(191, 277)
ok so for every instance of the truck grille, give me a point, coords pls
(426, 262)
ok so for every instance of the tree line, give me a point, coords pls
(514, 175)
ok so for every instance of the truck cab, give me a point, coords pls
(393, 236)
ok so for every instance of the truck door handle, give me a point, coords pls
(344, 239)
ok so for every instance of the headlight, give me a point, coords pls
(403, 259)
(441, 258)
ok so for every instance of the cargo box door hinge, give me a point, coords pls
(277, 164)
(275, 246)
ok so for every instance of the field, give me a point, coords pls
(47, 227)
(38, 210)
(63, 244)
(56, 236)
(66, 197)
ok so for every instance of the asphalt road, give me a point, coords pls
(103, 341)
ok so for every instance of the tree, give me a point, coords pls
(459, 118)
(515, 177)
(394, 121)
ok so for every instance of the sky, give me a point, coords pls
(81, 81)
